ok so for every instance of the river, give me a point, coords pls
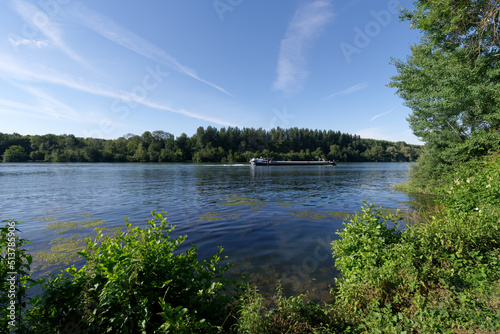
(275, 223)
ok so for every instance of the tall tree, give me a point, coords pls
(15, 153)
(450, 80)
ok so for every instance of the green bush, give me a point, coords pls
(15, 153)
(425, 176)
(288, 315)
(438, 275)
(473, 186)
(375, 261)
(136, 282)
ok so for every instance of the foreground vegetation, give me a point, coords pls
(207, 145)
(440, 274)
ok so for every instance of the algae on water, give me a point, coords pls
(253, 203)
(62, 251)
(65, 225)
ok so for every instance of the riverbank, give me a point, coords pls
(440, 273)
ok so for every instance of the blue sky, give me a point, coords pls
(108, 68)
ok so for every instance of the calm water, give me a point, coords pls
(275, 223)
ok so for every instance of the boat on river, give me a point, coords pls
(270, 162)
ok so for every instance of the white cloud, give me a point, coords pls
(11, 68)
(381, 114)
(372, 133)
(44, 110)
(48, 104)
(349, 90)
(17, 105)
(306, 25)
(107, 28)
(32, 43)
(381, 134)
(30, 13)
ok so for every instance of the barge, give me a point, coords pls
(271, 162)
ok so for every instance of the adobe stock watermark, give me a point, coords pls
(121, 107)
(223, 6)
(12, 275)
(364, 36)
(281, 118)
(40, 18)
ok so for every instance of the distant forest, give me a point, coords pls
(207, 145)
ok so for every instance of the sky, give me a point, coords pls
(104, 69)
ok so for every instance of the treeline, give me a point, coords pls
(207, 145)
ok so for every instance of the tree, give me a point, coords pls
(318, 154)
(450, 81)
(451, 96)
(375, 153)
(154, 151)
(141, 154)
(469, 24)
(147, 139)
(335, 152)
(200, 138)
(15, 153)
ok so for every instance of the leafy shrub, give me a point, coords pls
(289, 315)
(441, 274)
(376, 265)
(473, 186)
(136, 282)
(425, 176)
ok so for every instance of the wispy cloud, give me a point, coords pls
(107, 28)
(50, 105)
(184, 112)
(306, 25)
(373, 133)
(11, 68)
(29, 110)
(389, 135)
(349, 90)
(382, 114)
(48, 110)
(48, 27)
(18, 105)
(32, 43)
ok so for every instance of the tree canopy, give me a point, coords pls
(451, 24)
(450, 80)
(15, 153)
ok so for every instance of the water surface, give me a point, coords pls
(275, 223)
